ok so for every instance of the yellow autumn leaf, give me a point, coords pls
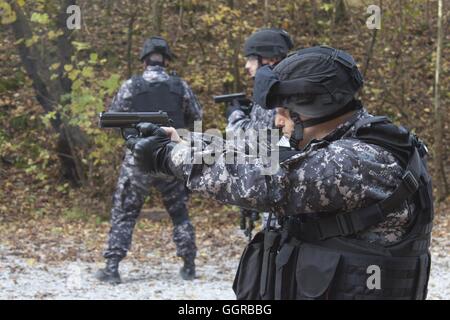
(55, 66)
(68, 67)
(31, 262)
(8, 15)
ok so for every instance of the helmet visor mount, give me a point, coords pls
(271, 92)
(318, 83)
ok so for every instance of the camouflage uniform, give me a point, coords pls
(331, 175)
(259, 118)
(133, 185)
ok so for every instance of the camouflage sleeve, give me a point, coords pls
(341, 177)
(344, 176)
(259, 118)
(191, 106)
(212, 173)
(122, 100)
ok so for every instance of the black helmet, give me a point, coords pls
(268, 43)
(156, 45)
(315, 82)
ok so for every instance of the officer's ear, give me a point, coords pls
(272, 61)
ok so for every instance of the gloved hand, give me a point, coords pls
(244, 105)
(152, 151)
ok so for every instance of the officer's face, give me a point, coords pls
(251, 65)
(284, 121)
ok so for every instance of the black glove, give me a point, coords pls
(244, 105)
(152, 152)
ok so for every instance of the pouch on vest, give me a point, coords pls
(315, 271)
(268, 269)
(286, 261)
(247, 280)
(255, 277)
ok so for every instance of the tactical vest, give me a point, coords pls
(320, 259)
(160, 96)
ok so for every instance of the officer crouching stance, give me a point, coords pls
(153, 91)
(352, 193)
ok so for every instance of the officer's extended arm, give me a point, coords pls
(244, 185)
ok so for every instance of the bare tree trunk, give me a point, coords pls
(131, 21)
(73, 136)
(401, 60)
(315, 10)
(70, 165)
(441, 185)
(64, 45)
(370, 52)
(371, 47)
(180, 21)
(315, 15)
(234, 61)
(266, 13)
(340, 12)
(157, 7)
(428, 18)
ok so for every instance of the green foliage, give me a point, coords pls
(7, 14)
(89, 91)
(41, 18)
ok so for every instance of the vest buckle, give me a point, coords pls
(410, 181)
(345, 224)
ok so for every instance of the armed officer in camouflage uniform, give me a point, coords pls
(153, 91)
(266, 46)
(352, 192)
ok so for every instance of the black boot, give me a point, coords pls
(109, 274)
(187, 272)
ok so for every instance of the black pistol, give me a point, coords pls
(235, 100)
(129, 120)
(229, 97)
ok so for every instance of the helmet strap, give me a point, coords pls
(297, 135)
(300, 125)
(351, 106)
